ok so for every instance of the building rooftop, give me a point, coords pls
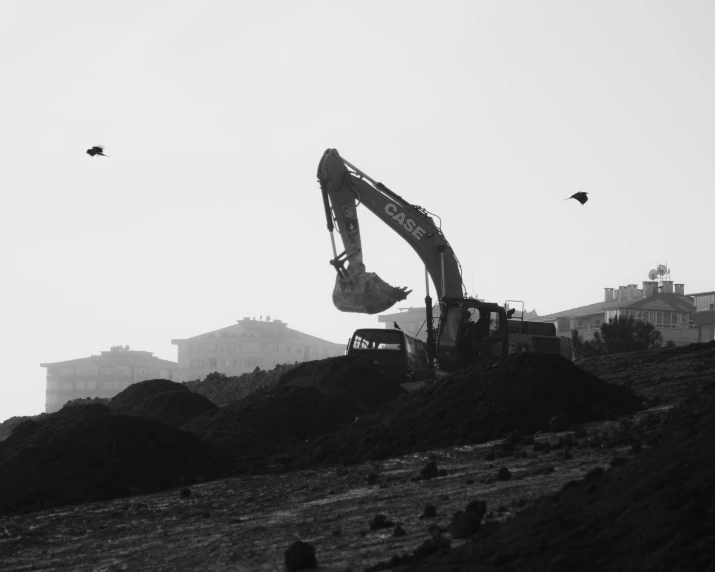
(247, 328)
(579, 311)
(130, 357)
(658, 302)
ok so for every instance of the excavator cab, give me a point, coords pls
(470, 332)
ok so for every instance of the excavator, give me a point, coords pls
(469, 331)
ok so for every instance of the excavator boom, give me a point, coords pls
(344, 187)
(470, 331)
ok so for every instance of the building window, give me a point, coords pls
(213, 362)
(91, 384)
(141, 371)
(67, 371)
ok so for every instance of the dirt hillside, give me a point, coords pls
(472, 406)
(654, 512)
(668, 375)
(272, 419)
(87, 453)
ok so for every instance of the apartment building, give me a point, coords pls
(660, 302)
(704, 315)
(246, 345)
(102, 375)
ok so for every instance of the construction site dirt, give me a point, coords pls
(596, 479)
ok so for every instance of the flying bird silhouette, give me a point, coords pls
(96, 150)
(580, 197)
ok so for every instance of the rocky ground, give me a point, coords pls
(538, 465)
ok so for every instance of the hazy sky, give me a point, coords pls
(216, 113)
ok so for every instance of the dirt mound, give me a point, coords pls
(88, 401)
(86, 453)
(222, 389)
(173, 407)
(655, 512)
(8, 426)
(667, 374)
(133, 395)
(355, 378)
(471, 406)
(271, 419)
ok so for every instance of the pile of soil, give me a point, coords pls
(472, 406)
(222, 389)
(8, 426)
(667, 374)
(272, 419)
(87, 453)
(88, 401)
(655, 512)
(356, 378)
(173, 407)
(135, 394)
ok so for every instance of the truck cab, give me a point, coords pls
(395, 353)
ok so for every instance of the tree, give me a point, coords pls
(577, 343)
(624, 334)
(586, 349)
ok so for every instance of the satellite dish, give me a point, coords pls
(653, 274)
(662, 269)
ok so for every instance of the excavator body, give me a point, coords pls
(470, 331)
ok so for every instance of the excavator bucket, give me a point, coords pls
(365, 292)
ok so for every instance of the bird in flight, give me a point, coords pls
(581, 197)
(96, 150)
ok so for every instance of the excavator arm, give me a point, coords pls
(344, 187)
